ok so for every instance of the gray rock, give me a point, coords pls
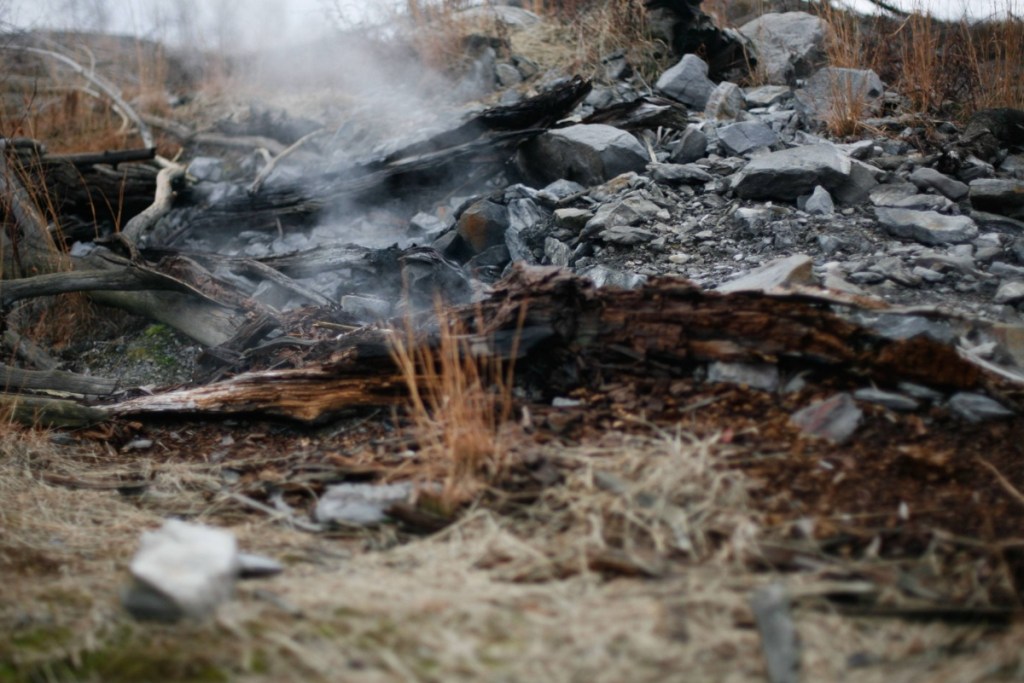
(835, 91)
(792, 172)
(977, 407)
(679, 173)
(557, 253)
(257, 566)
(572, 219)
(628, 211)
(756, 376)
(999, 196)
(1010, 292)
(625, 236)
(820, 203)
(910, 326)
(426, 223)
(890, 193)
(585, 153)
(788, 46)
(687, 82)
(927, 227)
(856, 189)
(739, 138)
(182, 570)
(930, 179)
(780, 640)
(524, 214)
(602, 276)
(366, 307)
(483, 225)
(835, 418)
(360, 504)
(767, 95)
(560, 189)
(507, 75)
(691, 146)
(920, 392)
(889, 399)
(993, 221)
(791, 270)
(726, 102)
(208, 169)
(925, 202)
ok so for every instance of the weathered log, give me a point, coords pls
(110, 157)
(31, 250)
(131, 277)
(669, 325)
(16, 379)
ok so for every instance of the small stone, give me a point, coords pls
(929, 178)
(208, 169)
(360, 504)
(625, 235)
(679, 173)
(691, 146)
(792, 270)
(820, 203)
(366, 307)
(741, 138)
(557, 253)
(181, 570)
(834, 419)
(688, 82)
(1000, 196)
(889, 399)
(767, 95)
(977, 407)
(483, 225)
(756, 376)
(725, 102)
(927, 227)
(1010, 292)
(572, 219)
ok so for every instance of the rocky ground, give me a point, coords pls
(650, 518)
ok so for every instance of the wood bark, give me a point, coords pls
(668, 326)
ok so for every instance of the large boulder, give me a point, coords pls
(688, 82)
(792, 172)
(787, 46)
(588, 154)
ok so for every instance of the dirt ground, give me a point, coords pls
(623, 543)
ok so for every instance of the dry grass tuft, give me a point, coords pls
(943, 68)
(460, 400)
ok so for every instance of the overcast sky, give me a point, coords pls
(251, 23)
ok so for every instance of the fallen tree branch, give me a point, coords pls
(16, 379)
(161, 203)
(108, 89)
(265, 172)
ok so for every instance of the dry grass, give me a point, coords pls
(943, 69)
(515, 596)
(460, 402)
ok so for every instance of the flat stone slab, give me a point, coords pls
(739, 138)
(927, 227)
(792, 172)
(588, 154)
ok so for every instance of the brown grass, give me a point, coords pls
(460, 402)
(944, 69)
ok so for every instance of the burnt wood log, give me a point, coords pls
(668, 326)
